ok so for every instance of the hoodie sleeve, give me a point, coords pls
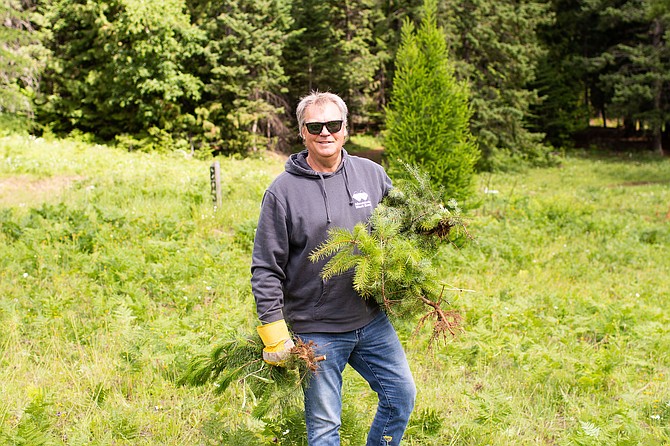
(270, 254)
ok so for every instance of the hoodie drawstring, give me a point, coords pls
(325, 193)
(325, 197)
(346, 183)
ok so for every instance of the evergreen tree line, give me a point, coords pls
(225, 75)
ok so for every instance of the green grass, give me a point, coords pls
(360, 143)
(116, 270)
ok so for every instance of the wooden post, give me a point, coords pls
(215, 179)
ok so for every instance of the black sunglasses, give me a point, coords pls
(314, 128)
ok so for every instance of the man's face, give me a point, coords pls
(326, 146)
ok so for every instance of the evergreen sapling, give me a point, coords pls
(272, 390)
(393, 255)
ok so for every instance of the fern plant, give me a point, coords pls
(393, 253)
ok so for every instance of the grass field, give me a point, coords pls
(116, 270)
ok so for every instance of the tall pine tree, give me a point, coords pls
(427, 121)
(496, 48)
(120, 67)
(636, 68)
(243, 107)
(332, 50)
(561, 75)
(21, 56)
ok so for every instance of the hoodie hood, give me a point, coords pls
(297, 165)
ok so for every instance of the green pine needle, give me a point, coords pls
(239, 360)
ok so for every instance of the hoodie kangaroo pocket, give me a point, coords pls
(338, 297)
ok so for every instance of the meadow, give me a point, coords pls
(116, 270)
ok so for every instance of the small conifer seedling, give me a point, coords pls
(393, 254)
(239, 359)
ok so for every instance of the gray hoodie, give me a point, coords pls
(298, 209)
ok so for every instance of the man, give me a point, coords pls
(324, 187)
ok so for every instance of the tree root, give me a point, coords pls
(305, 352)
(445, 321)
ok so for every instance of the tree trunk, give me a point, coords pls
(628, 127)
(658, 92)
(657, 142)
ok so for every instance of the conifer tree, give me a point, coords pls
(119, 67)
(561, 75)
(497, 50)
(332, 50)
(636, 67)
(21, 56)
(427, 120)
(242, 108)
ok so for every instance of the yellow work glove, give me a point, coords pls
(277, 341)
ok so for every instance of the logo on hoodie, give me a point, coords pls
(361, 200)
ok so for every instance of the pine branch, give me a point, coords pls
(274, 389)
(339, 239)
(392, 255)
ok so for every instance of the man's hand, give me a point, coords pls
(277, 341)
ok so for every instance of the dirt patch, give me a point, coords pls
(638, 183)
(374, 155)
(22, 189)
(614, 139)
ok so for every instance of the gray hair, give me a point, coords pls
(319, 98)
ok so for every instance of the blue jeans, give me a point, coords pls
(374, 351)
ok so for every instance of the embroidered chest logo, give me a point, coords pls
(361, 200)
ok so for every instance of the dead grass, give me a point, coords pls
(20, 189)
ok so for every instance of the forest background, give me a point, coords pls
(224, 76)
(116, 269)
